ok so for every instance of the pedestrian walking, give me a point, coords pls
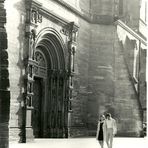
(111, 129)
(101, 131)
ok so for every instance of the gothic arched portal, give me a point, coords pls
(49, 117)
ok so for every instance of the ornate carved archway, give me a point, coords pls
(55, 76)
(50, 69)
(50, 83)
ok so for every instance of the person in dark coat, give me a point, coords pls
(101, 131)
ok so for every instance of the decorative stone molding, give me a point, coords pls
(33, 12)
(36, 17)
(40, 68)
(33, 17)
(71, 31)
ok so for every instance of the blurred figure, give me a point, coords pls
(101, 131)
(111, 129)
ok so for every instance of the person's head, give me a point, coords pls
(102, 117)
(108, 116)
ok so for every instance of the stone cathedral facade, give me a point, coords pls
(65, 62)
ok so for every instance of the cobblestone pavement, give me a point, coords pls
(82, 143)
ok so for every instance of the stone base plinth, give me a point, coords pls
(29, 134)
(14, 134)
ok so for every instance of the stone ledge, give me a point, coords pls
(132, 32)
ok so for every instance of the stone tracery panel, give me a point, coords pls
(40, 59)
(41, 65)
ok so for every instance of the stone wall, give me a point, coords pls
(101, 83)
(127, 111)
(142, 83)
(101, 73)
(131, 13)
(4, 81)
(15, 27)
(102, 11)
(79, 127)
(102, 7)
(85, 6)
(110, 84)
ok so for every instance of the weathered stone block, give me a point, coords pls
(4, 83)
(3, 40)
(3, 55)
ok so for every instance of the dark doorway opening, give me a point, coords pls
(37, 102)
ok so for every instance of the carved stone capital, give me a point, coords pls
(70, 30)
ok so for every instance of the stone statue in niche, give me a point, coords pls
(30, 71)
(74, 35)
(32, 42)
(72, 63)
(33, 16)
(73, 51)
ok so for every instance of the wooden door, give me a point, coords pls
(57, 109)
(37, 112)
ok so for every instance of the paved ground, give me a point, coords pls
(82, 143)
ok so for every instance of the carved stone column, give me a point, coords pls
(4, 81)
(32, 18)
(71, 30)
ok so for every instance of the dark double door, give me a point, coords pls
(37, 113)
(49, 117)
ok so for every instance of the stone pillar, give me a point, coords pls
(72, 40)
(32, 18)
(4, 81)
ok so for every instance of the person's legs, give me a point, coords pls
(107, 138)
(111, 139)
(101, 144)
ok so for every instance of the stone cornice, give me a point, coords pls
(89, 17)
(129, 30)
(144, 23)
(93, 19)
(33, 3)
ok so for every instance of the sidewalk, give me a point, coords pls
(82, 143)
